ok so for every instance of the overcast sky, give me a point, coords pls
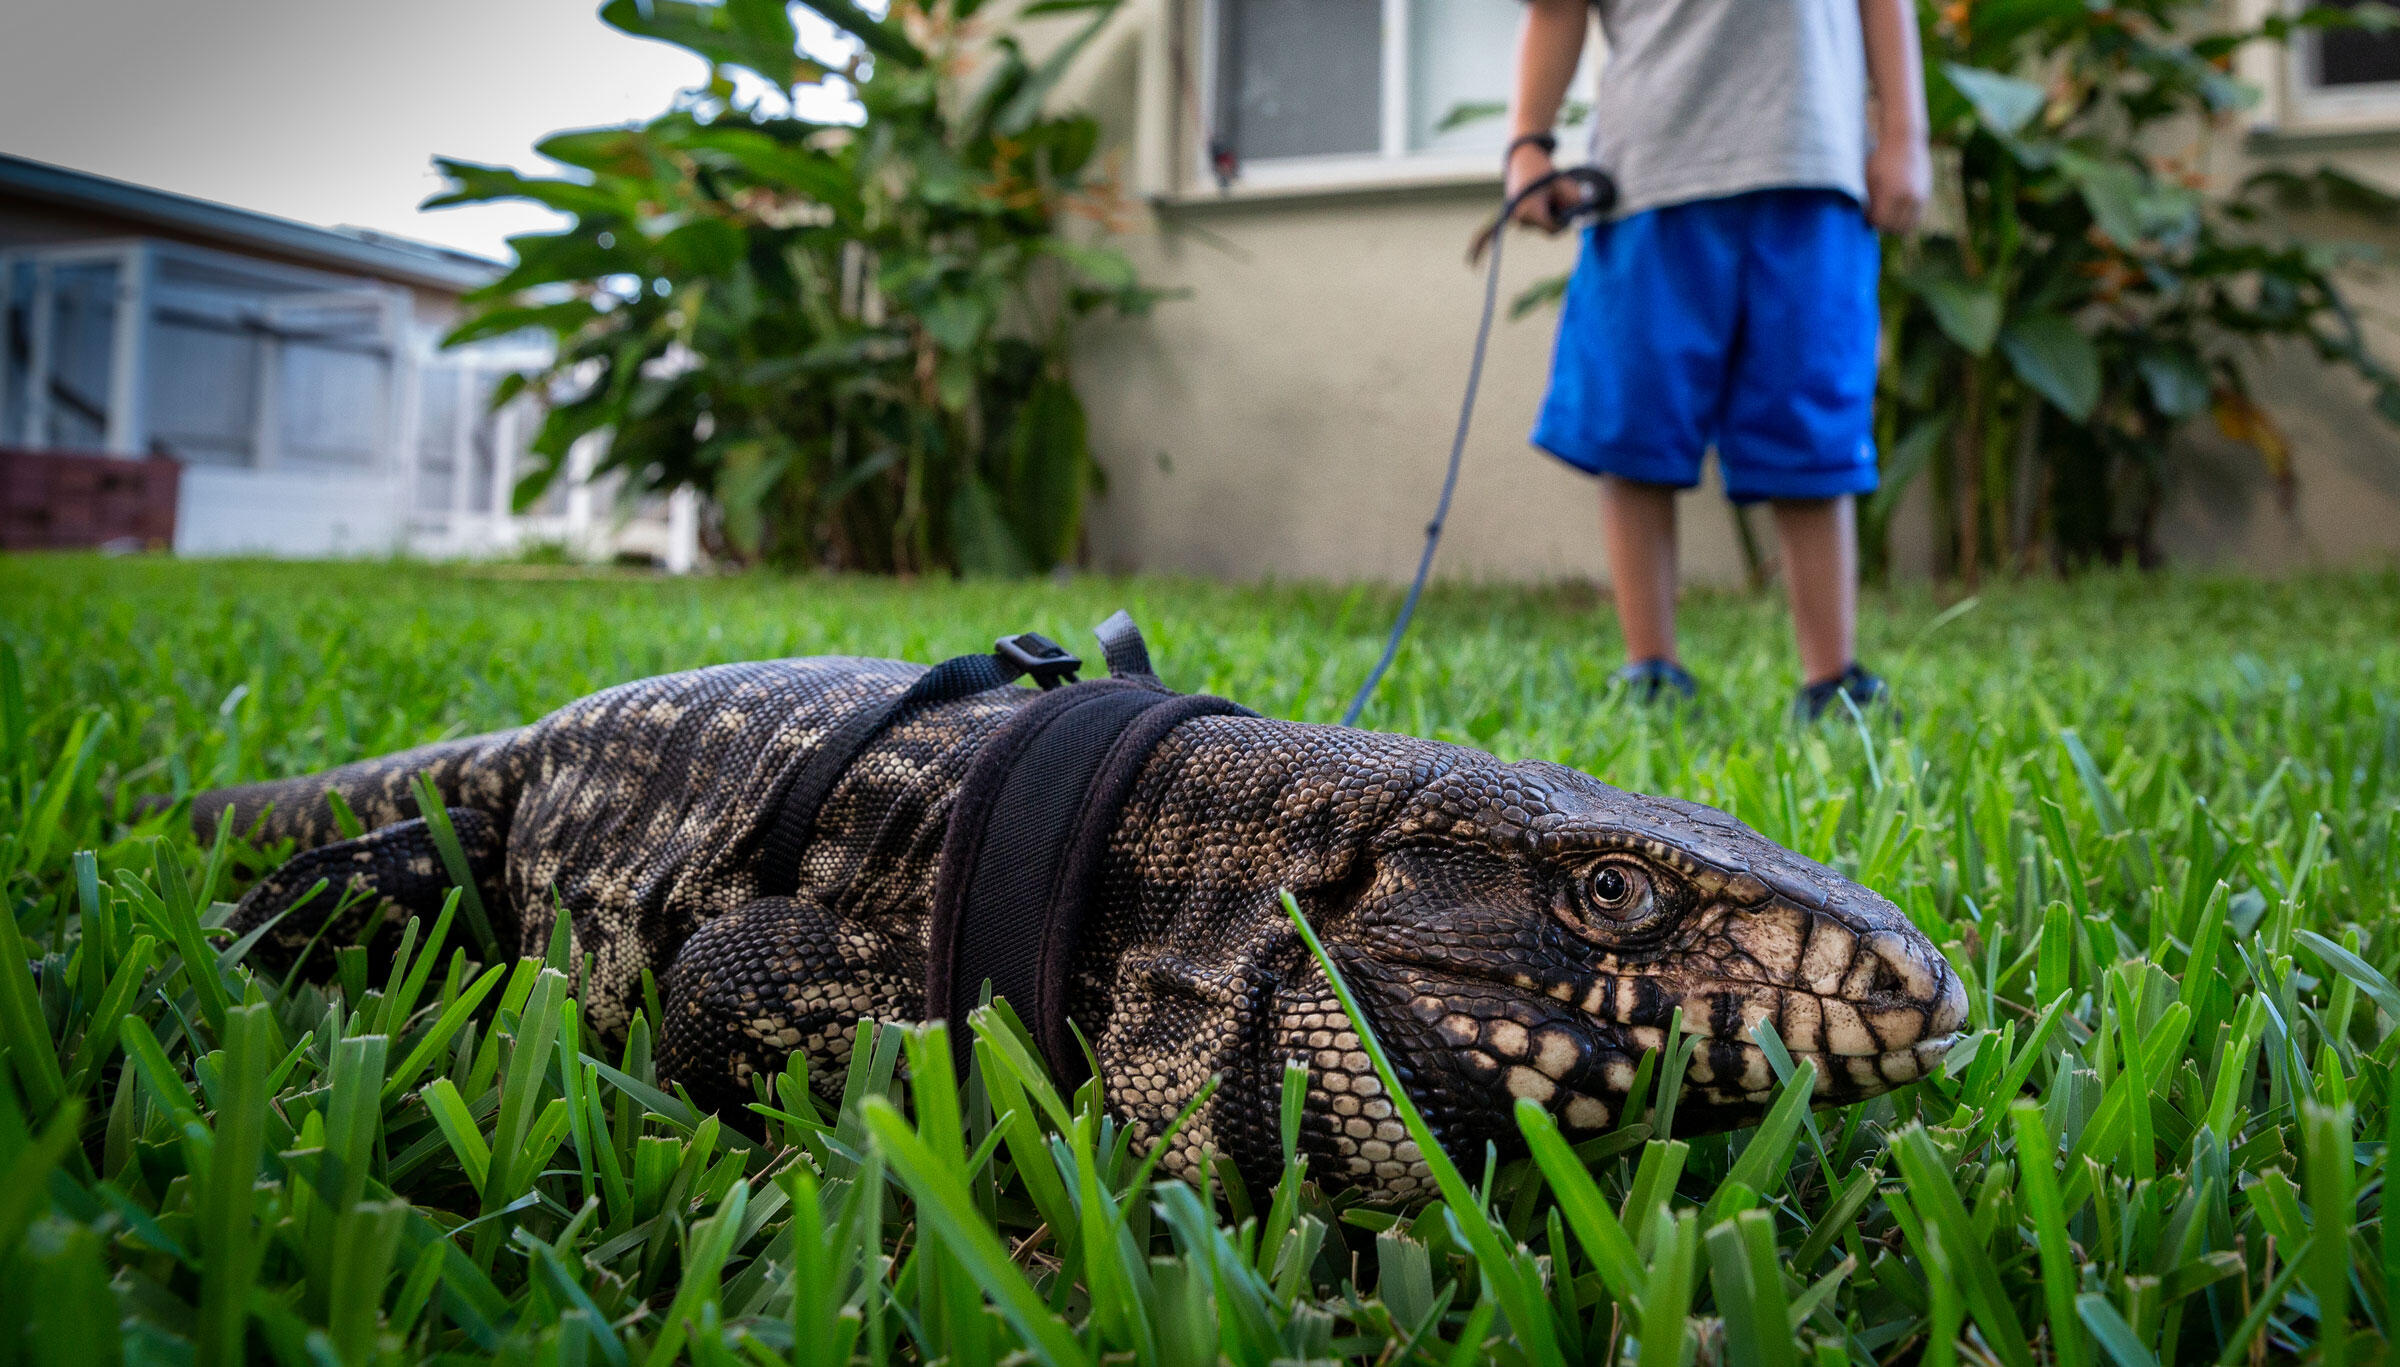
(327, 111)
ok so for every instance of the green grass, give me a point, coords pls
(2154, 822)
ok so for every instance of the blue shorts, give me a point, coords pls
(1747, 323)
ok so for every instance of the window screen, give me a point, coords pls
(331, 380)
(83, 331)
(2356, 56)
(1300, 78)
(203, 380)
(437, 438)
(16, 353)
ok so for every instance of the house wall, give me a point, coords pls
(1290, 415)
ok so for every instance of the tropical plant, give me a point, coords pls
(2097, 290)
(853, 336)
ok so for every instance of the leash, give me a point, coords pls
(1599, 195)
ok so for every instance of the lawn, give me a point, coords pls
(2154, 822)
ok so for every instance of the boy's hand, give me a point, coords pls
(1551, 208)
(1899, 181)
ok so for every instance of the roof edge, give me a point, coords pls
(373, 252)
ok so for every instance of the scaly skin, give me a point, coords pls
(1513, 930)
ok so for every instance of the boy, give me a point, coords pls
(1730, 299)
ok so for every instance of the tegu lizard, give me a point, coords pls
(1511, 929)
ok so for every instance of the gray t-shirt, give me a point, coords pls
(1702, 98)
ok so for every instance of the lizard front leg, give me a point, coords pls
(774, 976)
(399, 869)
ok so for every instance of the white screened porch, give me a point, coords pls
(312, 412)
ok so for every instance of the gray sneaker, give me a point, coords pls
(1857, 683)
(1650, 682)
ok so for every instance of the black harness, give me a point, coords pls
(1030, 824)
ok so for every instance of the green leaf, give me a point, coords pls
(800, 170)
(979, 533)
(1469, 111)
(704, 247)
(881, 36)
(949, 1211)
(2052, 356)
(1049, 470)
(562, 319)
(1025, 105)
(1967, 311)
(2005, 104)
(738, 33)
(1605, 1242)
(2178, 383)
(956, 321)
(2130, 205)
(1907, 458)
(608, 151)
(2112, 1333)
(1513, 1281)
(472, 183)
(1932, 1187)
(1749, 1283)
(560, 259)
(1768, 1156)
(454, 862)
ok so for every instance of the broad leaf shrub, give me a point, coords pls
(853, 339)
(2103, 284)
(2155, 822)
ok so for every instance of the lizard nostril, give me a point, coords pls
(1887, 980)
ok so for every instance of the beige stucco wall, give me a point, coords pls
(1290, 415)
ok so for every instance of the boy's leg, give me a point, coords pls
(1638, 522)
(1799, 415)
(1820, 571)
(1635, 385)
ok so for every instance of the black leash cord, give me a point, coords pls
(1599, 194)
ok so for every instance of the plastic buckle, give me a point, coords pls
(1030, 652)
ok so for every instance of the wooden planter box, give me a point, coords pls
(58, 500)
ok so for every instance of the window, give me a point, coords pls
(2351, 57)
(203, 401)
(437, 437)
(83, 333)
(1306, 86)
(2344, 77)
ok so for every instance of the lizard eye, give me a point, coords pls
(1621, 891)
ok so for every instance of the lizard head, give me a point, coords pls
(1524, 930)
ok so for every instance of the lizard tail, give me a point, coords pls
(376, 790)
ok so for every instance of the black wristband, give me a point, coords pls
(1548, 142)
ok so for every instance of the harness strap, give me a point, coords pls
(961, 676)
(1028, 831)
(1121, 645)
(1029, 827)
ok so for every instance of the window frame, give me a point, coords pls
(1392, 161)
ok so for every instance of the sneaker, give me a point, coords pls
(1658, 681)
(1857, 683)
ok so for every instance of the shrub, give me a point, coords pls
(2043, 353)
(853, 337)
